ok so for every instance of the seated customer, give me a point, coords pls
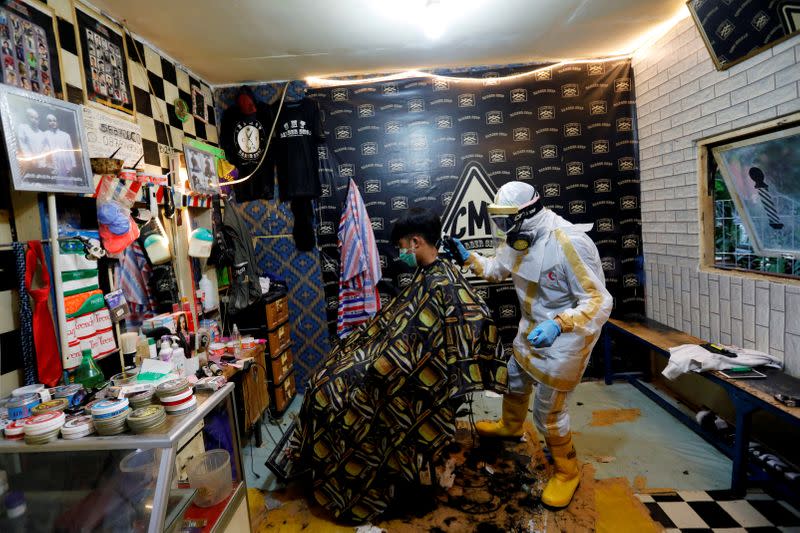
(381, 408)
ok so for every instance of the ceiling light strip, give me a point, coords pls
(314, 81)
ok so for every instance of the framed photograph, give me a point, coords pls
(104, 61)
(199, 109)
(762, 174)
(28, 48)
(735, 31)
(45, 141)
(201, 168)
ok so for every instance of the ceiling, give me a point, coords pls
(234, 41)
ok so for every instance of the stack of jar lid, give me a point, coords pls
(15, 430)
(77, 427)
(176, 396)
(142, 399)
(109, 416)
(43, 428)
(58, 406)
(73, 393)
(19, 407)
(146, 418)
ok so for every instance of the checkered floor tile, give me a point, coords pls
(698, 511)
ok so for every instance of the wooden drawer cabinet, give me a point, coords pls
(282, 394)
(281, 365)
(277, 311)
(279, 339)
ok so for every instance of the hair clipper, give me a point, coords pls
(451, 250)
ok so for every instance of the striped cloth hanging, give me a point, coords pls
(360, 265)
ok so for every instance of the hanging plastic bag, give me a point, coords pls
(114, 200)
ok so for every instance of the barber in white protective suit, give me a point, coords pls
(559, 281)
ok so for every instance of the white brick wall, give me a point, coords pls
(682, 98)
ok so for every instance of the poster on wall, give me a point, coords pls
(46, 143)
(28, 48)
(762, 174)
(106, 133)
(735, 31)
(104, 62)
(199, 109)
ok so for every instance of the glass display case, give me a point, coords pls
(126, 482)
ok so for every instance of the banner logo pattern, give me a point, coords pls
(449, 145)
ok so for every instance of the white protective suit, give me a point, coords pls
(560, 275)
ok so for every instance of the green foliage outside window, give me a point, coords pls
(732, 249)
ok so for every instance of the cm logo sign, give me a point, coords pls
(469, 220)
(466, 216)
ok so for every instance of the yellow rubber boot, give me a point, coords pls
(515, 409)
(562, 486)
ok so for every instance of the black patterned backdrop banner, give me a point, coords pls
(734, 30)
(448, 144)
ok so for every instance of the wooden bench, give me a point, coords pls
(747, 396)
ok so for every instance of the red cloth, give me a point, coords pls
(48, 359)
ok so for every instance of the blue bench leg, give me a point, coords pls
(609, 371)
(744, 411)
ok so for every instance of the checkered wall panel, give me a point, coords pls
(155, 113)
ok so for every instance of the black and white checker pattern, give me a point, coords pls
(719, 511)
(155, 113)
(169, 81)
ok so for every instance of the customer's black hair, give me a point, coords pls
(419, 222)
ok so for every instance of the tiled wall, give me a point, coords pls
(154, 112)
(682, 98)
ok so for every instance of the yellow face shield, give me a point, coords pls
(501, 218)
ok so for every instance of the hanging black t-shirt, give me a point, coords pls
(243, 136)
(297, 135)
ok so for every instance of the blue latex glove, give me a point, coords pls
(462, 252)
(544, 334)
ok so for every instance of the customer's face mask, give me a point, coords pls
(408, 256)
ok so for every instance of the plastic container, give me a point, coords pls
(200, 242)
(210, 292)
(157, 248)
(19, 407)
(127, 377)
(210, 474)
(140, 465)
(216, 349)
(36, 388)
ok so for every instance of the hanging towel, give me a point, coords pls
(133, 274)
(25, 319)
(48, 360)
(360, 265)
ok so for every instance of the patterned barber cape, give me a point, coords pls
(382, 407)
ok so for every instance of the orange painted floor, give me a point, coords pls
(626, 443)
(496, 488)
